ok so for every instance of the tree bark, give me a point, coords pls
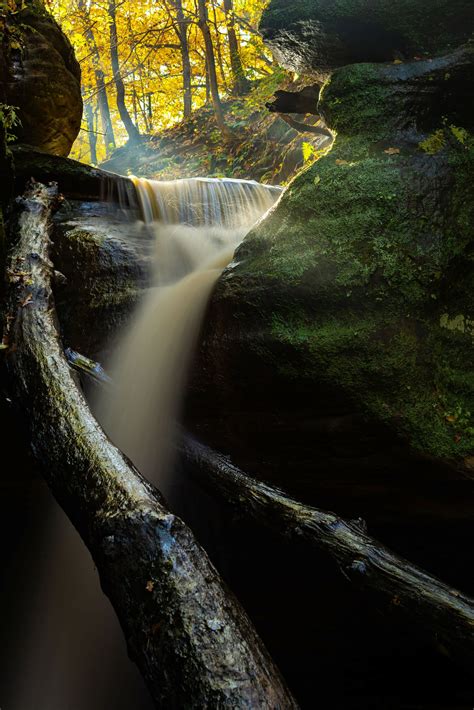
(211, 68)
(446, 613)
(241, 83)
(219, 53)
(132, 130)
(305, 128)
(182, 32)
(192, 641)
(91, 132)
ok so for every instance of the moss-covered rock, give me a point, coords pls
(316, 36)
(42, 79)
(349, 311)
(106, 265)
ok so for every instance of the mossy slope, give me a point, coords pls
(360, 282)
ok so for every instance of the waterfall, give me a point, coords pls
(223, 202)
(198, 224)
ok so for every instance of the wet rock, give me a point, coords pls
(105, 261)
(75, 180)
(42, 79)
(340, 342)
(316, 36)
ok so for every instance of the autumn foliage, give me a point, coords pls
(146, 64)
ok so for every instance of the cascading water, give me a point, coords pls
(198, 224)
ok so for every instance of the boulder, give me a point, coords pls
(340, 341)
(316, 36)
(103, 266)
(42, 80)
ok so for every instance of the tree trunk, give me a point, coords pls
(91, 132)
(211, 68)
(104, 108)
(446, 613)
(132, 130)
(102, 98)
(182, 32)
(220, 56)
(191, 639)
(241, 83)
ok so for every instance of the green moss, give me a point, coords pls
(355, 258)
(434, 143)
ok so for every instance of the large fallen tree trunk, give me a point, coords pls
(194, 644)
(446, 613)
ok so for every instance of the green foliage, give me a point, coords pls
(460, 134)
(434, 143)
(9, 119)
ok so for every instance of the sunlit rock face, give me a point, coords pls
(316, 36)
(43, 80)
(340, 342)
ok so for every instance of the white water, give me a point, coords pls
(152, 360)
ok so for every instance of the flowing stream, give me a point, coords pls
(198, 224)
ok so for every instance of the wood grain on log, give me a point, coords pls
(446, 613)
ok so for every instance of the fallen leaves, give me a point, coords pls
(23, 277)
(392, 151)
(26, 301)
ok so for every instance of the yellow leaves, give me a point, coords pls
(392, 151)
(150, 60)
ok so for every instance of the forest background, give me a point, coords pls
(148, 65)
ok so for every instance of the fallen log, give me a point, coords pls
(301, 127)
(446, 613)
(193, 643)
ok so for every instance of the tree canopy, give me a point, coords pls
(147, 64)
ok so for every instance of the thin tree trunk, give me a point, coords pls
(91, 132)
(132, 130)
(150, 110)
(241, 83)
(182, 32)
(102, 98)
(211, 68)
(220, 56)
(104, 108)
(193, 642)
